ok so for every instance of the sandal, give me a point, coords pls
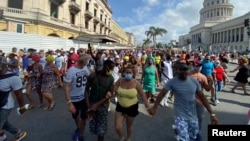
(52, 107)
(247, 94)
(46, 108)
(31, 107)
(232, 91)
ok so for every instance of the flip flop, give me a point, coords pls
(52, 107)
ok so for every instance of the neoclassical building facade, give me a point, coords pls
(217, 31)
(86, 20)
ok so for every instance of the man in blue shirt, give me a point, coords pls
(208, 70)
(185, 89)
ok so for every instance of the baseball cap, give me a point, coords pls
(36, 58)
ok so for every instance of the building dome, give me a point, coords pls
(216, 10)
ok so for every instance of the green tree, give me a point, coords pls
(146, 42)
(153, 32)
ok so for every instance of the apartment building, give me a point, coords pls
(83, 20)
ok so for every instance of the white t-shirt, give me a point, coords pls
(167, 69)
(78, 79)
(6, 84)
(116, 74)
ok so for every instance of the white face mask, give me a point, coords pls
(58, 54)
(71, 51)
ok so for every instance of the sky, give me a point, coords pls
(176, 16)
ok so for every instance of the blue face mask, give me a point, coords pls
(128, 76)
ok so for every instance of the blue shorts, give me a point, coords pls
(187, 130)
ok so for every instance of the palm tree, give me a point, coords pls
(146, 42)
(153, 32)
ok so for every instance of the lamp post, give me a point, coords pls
(248, 33)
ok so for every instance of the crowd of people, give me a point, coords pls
(92, 77)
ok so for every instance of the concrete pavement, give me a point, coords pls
(58, 124)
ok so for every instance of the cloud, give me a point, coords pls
(142, 12)
(125, 20)
(151, 2)
(177, 17)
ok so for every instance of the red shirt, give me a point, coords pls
(219, 73)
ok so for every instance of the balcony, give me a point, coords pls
(96, 20)
(74, 7)
(58, 2)
(88, 15)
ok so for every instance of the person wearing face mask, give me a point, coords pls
(99, 89)
(59, 59)
(219, 75)
(42, 58)
(148, 79)
(72, 58)
(207, 69)
(185, 89)
(127, 89)
(75, 84)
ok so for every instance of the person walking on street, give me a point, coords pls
(99, 89)
(207, 69)
(242, 75)
(127, 106)
(167, 74)
(10, 83)
(75, 83)
(149, 79)
(185, 89)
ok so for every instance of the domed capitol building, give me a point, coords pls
(217, 31)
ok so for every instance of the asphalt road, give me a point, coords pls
(58, 125)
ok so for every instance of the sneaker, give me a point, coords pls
(76, 135)
(20, 136)
(3, 137)
(162, 103)
(166, 103)
(217, 101)
(212, 102)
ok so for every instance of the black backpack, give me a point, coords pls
(5, 94)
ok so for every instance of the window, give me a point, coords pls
(87, 6)
(19, 28)
(95, 12)
(212, 2)
(15, 4)
(101, 17)
(218, 1)
(100, 30)
(207, 4)
(223, 1)
(72, 18)
(87, 25)
(211, 15)
(94, 28)
(53, 10)
(218, 13)
(105, 21)
(207, 15)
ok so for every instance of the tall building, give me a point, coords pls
(85, 20)
(217, 31)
